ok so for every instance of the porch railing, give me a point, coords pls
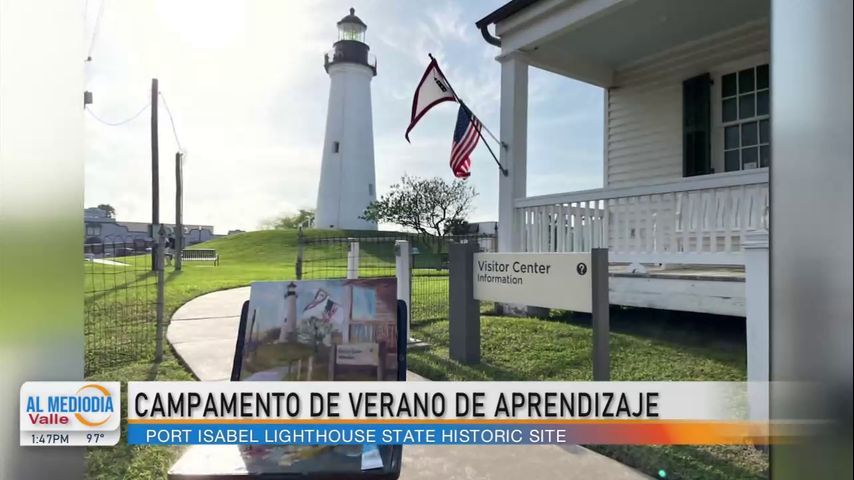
(698, 220)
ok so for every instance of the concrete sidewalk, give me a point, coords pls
(203, 333)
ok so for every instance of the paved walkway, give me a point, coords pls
(204, 330)
(107, 261)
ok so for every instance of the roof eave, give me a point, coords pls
(503, 12)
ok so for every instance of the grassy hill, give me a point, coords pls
(280, 247)
(266, 246)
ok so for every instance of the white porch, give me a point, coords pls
(675, 237)
(698, 220)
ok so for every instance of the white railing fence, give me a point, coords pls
(699, 220)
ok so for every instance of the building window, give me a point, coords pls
(370, 189)
(746, 118)
(335, 147)
(93, 230)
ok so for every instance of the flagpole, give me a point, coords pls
(471, 116)
(503, 145)
(459, 100)
(500, 167)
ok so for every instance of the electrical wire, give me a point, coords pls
(172, 122)
(95, 29)
(121, 122)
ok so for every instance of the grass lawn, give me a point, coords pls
(644, 346)
(132, 461)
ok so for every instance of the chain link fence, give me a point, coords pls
(120, 302)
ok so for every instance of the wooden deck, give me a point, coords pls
(687, 272)
(703, 289)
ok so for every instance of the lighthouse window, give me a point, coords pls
(370, 189)
(335, 147)
(353, 35)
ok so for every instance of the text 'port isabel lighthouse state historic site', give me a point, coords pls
(347, 177)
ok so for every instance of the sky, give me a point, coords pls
(245, 83)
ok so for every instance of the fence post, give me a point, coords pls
(403, 271)
(756, 286)
(353, 260)
(158, 266)
(464, 311)
(601, 314)
(300, 253)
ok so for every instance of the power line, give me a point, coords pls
(172, 122)
(121, 122)
(95, 28)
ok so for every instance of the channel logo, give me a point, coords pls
(70, 413)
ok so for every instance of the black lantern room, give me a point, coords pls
(351, 46)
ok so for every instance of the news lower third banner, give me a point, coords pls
(442, 413)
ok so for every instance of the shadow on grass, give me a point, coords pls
(724, 334)
(440, 367)
(424, 322)
(691, 462)
(143, 280)
(173, 275)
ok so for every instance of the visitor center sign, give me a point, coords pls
(552, 280)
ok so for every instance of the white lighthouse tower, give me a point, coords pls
(347, 178)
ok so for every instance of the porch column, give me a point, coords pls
(757, 303)
(514, 133)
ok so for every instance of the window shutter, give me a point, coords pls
(696, 125)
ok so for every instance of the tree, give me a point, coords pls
(426, 205)
(304, 218)
(108, 209)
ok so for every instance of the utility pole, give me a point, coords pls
(158, 232)
(155, 174)
(179, 209)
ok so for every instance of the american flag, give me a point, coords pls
(466, 134)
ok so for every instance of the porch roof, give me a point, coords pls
(590, 39)
(507, 10)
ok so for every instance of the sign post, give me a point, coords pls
(600, 313)
(464, 314)
(566, 281)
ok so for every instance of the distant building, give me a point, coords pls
(101, 228)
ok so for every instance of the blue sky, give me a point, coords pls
(246, 86)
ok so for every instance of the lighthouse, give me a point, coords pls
(289, 325)
(347, 177)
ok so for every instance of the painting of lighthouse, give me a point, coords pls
(347, 175)
(321, 330)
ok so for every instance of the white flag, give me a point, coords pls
(432, 90)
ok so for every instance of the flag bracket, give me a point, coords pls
(501, 168)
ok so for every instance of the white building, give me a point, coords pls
(686, 141)
(347, 177)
